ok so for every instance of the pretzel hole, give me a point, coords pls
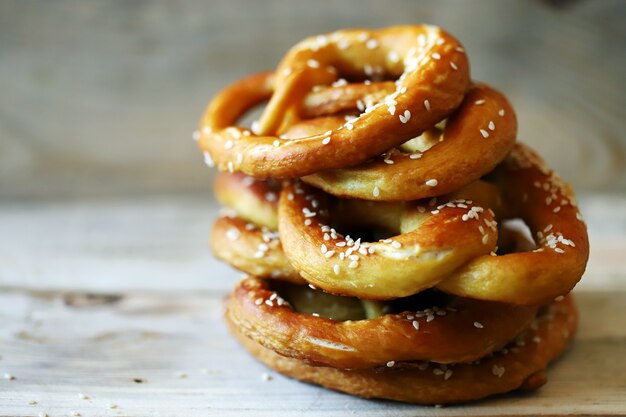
(514, 236)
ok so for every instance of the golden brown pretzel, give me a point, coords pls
(433, 76)
(521, 365)
(430, 243)
(248, 239)
(539, 197)
(461, 331)
(252, 200)
(475, 139)
(251, 249)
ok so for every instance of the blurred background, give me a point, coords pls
(99, 99)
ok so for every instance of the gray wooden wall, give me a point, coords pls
(100, 98)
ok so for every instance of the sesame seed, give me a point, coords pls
(404, 118)
(349, 126)
(501, 112)
(484, 133)
(353, 264)
(276, 143)
(307, 222)
(396, 244)
(326, 141)
(479, 102)
(393, 56)
(453, 65)
(371, 44)
(478, 325)
(436, 56)
(313, 63)
(432, 182)
(448, 374)
(208, 160)
(498, 370)
(329, 254)
(375, 192)
(228, 144)
(336, 269)
(491, 126)
(232, 234)
(415, 156)
(390, 364)
(427, 105)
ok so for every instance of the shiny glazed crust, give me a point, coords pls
(521, 365)
(463, 331)
(432, 67)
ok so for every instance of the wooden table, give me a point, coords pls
(113, 308)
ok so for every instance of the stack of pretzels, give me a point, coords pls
(398, 242)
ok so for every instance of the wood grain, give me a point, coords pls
(97, 294)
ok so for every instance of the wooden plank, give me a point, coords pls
(59, 346)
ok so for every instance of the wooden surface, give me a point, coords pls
(120, 302)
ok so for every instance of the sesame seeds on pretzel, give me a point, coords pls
(433, 76)
(475, 139)
(539, 197)
(419, 256)
(463, 330)
(520, 365)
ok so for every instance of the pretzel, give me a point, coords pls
(433, 76)
(247, 237)
(444, 334)
(475, 139)
(520, 365)
(539, 197)
(252, 249)
(252, 200)
(421, 256)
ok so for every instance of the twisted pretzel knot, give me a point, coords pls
(433, 77)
